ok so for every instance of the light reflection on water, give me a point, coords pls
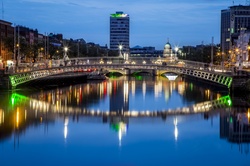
(51, 126)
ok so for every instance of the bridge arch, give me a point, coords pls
(125, 69)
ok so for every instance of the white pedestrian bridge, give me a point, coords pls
(213, 73)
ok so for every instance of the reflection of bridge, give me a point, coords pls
(44, 111)
(199, 70)
(42, 106)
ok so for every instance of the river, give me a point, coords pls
(127, 121)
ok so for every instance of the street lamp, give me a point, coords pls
(65, 57)
(66, 49)
(120, 49)
(65, 52)
(176, 50)
(107, 53)
(18, 54)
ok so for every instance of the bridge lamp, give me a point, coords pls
(176, 50)
(65, 57)
(120, 49)
(66, 49)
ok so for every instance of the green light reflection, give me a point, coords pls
(17, 98)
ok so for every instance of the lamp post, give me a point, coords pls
(120, 50)
(65, 57)
(223, 61)
(237, 54)
(65, 51)
(107, 54)
(212, 54)
(176, 51)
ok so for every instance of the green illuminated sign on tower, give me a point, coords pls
(118, 15)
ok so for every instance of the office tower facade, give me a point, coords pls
(233, 20)
(119, 32)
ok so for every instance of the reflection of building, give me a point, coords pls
(119, 97)
(235, 127)
(119, 103)
(120, 125)
(119, 31)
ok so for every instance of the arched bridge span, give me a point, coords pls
(126, 69)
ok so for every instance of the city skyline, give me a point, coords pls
(152, 22)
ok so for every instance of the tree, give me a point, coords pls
(201, 53)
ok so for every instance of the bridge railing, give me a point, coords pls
(143, 61)
(206, 66)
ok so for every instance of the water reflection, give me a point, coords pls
(235, 127)
(111, 100)
(175, 128)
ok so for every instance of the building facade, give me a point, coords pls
(139, 51)
(6, 32)
(168, 54)
(119, 32)
(240, 55)
(233, 21)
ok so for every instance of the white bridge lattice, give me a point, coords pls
(192, 69)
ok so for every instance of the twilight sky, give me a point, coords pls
(152, 22)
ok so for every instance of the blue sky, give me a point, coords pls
(152, 22)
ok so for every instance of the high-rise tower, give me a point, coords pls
(233, 20)
(119, 32)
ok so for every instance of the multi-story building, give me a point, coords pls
(139, 51)
(119, 32)
(233, 21)
(30, 35)
(6, 31)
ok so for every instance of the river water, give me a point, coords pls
(124, 121)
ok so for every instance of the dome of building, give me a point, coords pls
(167, 46)
(167, 52)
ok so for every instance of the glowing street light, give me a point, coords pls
(120, 49)
(65, 57)
(176, 50)
(66, 49)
